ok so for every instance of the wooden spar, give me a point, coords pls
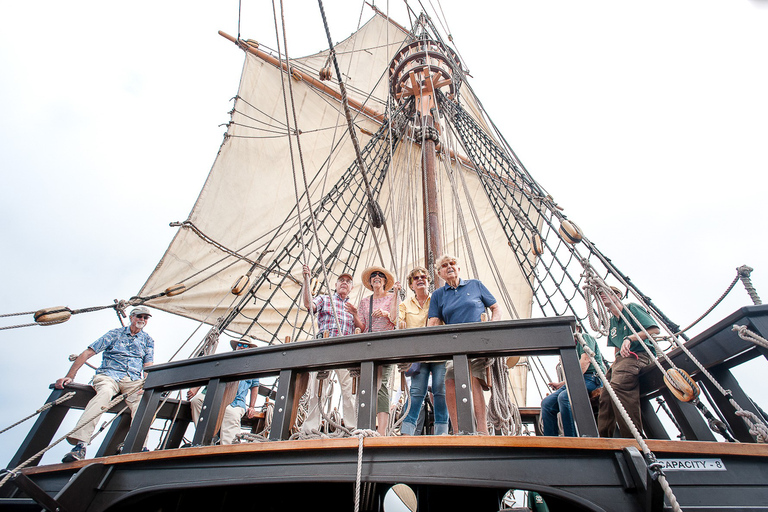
(317, 84)
(321, 86)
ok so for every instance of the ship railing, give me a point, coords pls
(719, 349)
(368, 351)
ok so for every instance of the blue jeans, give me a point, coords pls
(419, 383)
(559, 402)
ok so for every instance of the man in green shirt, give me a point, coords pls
(629, 329)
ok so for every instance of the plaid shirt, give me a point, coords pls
(325, 317)
(124, 353)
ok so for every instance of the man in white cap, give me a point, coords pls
(234, 412)
(127, 351)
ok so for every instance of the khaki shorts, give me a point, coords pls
(477, 366)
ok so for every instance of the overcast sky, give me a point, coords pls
(646, 121)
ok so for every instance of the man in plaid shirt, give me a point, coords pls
(339, 317)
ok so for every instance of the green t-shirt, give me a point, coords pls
(620, 329)
(591, 343)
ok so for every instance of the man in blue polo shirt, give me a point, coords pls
(127, 351)
(462, 301)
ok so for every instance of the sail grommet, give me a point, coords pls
(176, 289)
(536, 245)
(681, 385)
(240, 285)
(570, 232)
(49, 316)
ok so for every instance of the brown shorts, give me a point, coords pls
(477, 367)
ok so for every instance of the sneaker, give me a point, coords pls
(77, 453)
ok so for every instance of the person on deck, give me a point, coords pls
(626, 335)
(127, 351)
(462, 301)
(413, 313)
(326, 309)
(378, 313)
(234, 412)
(558, 401)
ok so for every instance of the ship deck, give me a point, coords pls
(447, 472)
(468, 472)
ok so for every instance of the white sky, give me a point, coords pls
(646, 121)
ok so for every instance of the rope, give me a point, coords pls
(503, 414)
(353, 134)
(42, 452)
(250, 437)
(747, 335)
(650, 458)
(303, 170)
(717, 302)
(755, 425)
(360, 434)
(45, 407)
(744, 273)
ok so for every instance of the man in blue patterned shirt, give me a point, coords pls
(127, 351)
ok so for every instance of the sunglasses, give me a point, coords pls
(344, 280)
(243, 345)
(377, 273)
(143, 317)
(419, 278)
(447, 264)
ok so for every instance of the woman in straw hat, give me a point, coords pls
(375, 314)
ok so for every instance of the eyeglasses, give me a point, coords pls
(143, 317)
(419, 278)
(377, 273)
(447, 264)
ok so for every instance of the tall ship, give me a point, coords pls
(376, 152)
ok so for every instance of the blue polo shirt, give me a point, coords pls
(125, 354)
(461, 305)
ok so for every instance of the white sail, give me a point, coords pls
(246, 211)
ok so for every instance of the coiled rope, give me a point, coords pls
(503, 414)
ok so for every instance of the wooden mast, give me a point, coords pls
(420, 69)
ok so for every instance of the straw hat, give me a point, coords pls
(370, 270)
